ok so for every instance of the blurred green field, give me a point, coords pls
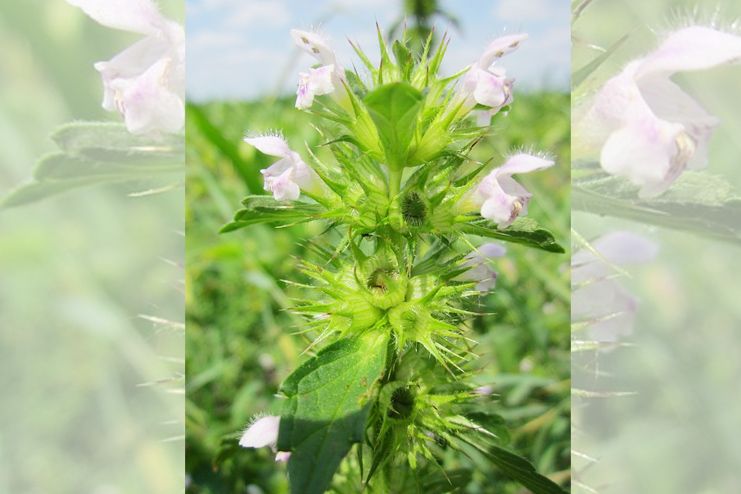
(239, 340)
(677, 430)
(75, 271)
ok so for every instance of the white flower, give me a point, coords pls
(597, 298)
(489, 86)
(264, 433)
(316, 82)
(145, 82)
(315, 45)
(646, 127)
(286, 177)
(326, 78)
(499, 197)
(480, 269)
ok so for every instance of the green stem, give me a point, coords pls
(394, 201)
(394, 183)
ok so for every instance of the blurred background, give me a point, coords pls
(677, 429)
(91, 399)
(242, 70)
(242, 50)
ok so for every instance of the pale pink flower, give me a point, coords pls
(316, 82)
(264, 433)
(288, 176)
(326, 78)
(145, 82)
(489, 86)
(499, 197)
(597, 298)
(479, 262)
(648, 129)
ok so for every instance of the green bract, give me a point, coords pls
(389, 300)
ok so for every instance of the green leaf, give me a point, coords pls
(404, 58)
(394, 108)
(524, 231)
(265, 209)
(329, 400)
(57, 173)
(37, 191)
(105, 141)
(521, 470)
(697, 202)
(98, 153)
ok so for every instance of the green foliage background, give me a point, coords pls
(683, 359)
(239, 340)
(75, 273)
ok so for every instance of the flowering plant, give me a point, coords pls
(641, 141)
(401, 197)
(145, 85)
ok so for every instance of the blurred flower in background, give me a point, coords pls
(145, 82)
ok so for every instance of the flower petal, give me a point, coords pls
(491, 90)
(501, 208)
(669, 102)
(321, 79)
(139, 16)
(619, 248)
(315, 45)
(692, 48)
(649, 152)
(263, 432)
(282, 456)
(270, 144)
(492, 249)
(304, 92)
(608, 309)
(316, 82)
(147, 102)
(500, 47)
(523, 163)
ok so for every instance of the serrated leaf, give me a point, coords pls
(98, 153)
(394, 108)
(524, 231)
(36, 191)
(697, 202)
(265, 209)
(329, 400)
(57, 173)
(59, 166)
(105, 141)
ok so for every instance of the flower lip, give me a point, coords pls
(289, 175)
(499, 196)
(261, 433)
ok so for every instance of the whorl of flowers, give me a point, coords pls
(402, 196)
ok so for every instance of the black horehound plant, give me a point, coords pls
(389, 300)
